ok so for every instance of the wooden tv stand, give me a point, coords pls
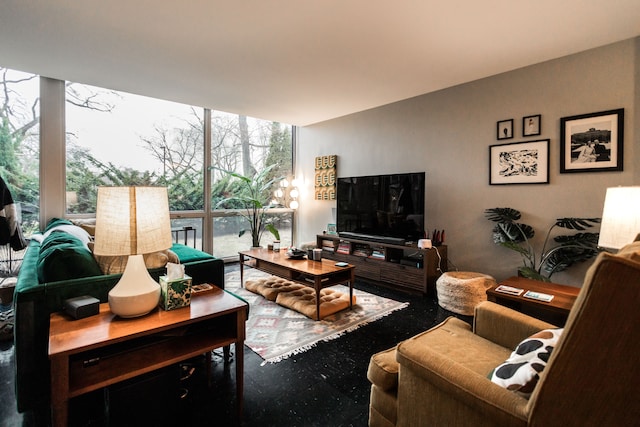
(390, 264)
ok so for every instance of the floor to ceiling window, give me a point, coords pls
(19, 151)
(245, 145)
(116, 138)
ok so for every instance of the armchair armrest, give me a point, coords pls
(505, 326)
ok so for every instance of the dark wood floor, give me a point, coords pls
(325, 386)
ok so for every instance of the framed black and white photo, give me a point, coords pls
(505, 129)
(531, 125)
(592, 142)
(519, 163)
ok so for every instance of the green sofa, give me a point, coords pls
(36, 299)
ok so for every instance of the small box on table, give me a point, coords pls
(175, 293)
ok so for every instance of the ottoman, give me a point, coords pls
(461, 291)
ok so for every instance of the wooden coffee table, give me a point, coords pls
(316, 274)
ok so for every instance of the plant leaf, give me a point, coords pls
(515, 247)
(530, 273)
(577, 223)
(502, 214)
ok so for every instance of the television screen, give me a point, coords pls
(382, 205)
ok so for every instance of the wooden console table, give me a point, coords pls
(104, 349)
(555, 311)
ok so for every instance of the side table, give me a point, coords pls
(104, 349)
(555, 311)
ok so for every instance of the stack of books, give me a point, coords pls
(344, 248)
(377, 253)
(328, 245)
(361, 250)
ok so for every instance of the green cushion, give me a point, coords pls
(62, 257)
(189, 254)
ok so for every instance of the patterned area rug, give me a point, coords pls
(275, 332)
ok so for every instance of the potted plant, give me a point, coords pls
(254, 198)
(570, 249)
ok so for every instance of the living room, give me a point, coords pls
(447, 133)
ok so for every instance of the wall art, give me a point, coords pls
(519, 163)
(592, 142)
(325, 178)
(531, 125)
(505, 129)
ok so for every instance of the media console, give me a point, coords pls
(405, 267)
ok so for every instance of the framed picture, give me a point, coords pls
(519, 163)
(531, 125)
(592, 142)
(332, 229)
(505, 129)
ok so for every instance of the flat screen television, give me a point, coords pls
(382, 206)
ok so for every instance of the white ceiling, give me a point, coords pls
(298, 61)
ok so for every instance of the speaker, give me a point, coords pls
(80, 307)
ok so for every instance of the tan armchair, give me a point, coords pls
(441, 377)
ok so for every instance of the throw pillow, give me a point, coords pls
(62, 257)
(113, 264)
(53, 222)
(521, 371)
(74, 230)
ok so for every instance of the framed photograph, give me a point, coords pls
(531, 125)
(332, 229)
(592, 142)
(519, 163)
(505, 129)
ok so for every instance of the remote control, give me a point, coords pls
(538, 296)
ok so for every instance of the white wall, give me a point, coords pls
(447, 134)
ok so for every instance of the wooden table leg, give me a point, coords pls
(318, 285)
(351, 280)
(241, 270)
(59, 391)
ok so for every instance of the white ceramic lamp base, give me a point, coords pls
(136, 294)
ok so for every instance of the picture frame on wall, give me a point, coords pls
(519, 163)
(505, 129)
(592, 142)
(531, 125)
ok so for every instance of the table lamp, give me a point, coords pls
(132, 221)
(620, 217)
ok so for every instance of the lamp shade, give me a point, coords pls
(620, 217)
(132, 221)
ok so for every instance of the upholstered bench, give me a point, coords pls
(298, 297)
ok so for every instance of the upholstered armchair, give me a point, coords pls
(442, 376)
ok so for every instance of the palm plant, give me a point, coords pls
(570, 249)
(254, 199)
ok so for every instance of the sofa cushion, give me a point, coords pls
(63, 256)
(521, 371)
(188, 254)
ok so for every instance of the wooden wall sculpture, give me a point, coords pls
(325, 177)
